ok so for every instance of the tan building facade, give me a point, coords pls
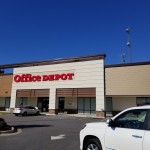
(5, 91)
(127, 85)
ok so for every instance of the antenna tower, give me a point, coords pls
(128, 44)
(123, 58)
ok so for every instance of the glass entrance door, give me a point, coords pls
(61, 104)
(108, 106)
(43, 104)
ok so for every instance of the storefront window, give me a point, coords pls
(22, 101)
(143, 101)
(86, 105)
(7, 103)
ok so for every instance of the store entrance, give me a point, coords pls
(61, 104)
(43, 104)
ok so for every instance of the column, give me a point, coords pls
(52, 101)
(13, 99)
(100, 105)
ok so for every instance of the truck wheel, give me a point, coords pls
(92, 144)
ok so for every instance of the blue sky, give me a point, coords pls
(34, 30)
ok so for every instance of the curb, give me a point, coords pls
(13, 131)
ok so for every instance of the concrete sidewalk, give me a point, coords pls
(74, 115)
(5, 112)
(63, 115)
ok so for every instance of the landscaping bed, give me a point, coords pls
(4, 128)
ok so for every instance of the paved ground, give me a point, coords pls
(41, 132)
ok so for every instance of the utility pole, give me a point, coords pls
(129, 44)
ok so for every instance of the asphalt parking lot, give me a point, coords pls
(44, 132)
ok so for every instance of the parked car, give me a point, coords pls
(129, 130)
(27, 110)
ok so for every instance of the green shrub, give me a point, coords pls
(3, 124)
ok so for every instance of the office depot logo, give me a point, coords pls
(39, 78)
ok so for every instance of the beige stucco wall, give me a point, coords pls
(121, 103)
(128, 80)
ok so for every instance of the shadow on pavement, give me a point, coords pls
(31, 126)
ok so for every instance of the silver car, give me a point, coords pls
(26, 110)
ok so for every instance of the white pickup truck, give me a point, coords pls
(129, 130)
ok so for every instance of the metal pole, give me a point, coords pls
(129, 44)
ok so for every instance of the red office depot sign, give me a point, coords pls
(38, 78)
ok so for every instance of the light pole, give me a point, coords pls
(129, 44)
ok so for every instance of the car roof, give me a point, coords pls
(141, 107)
(138, 107)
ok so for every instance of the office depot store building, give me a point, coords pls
(73, 85)
(78, 85)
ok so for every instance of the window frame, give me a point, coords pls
(147, 121)
(128, 111)
(141, 101)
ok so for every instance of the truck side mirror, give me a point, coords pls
(110, 122)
